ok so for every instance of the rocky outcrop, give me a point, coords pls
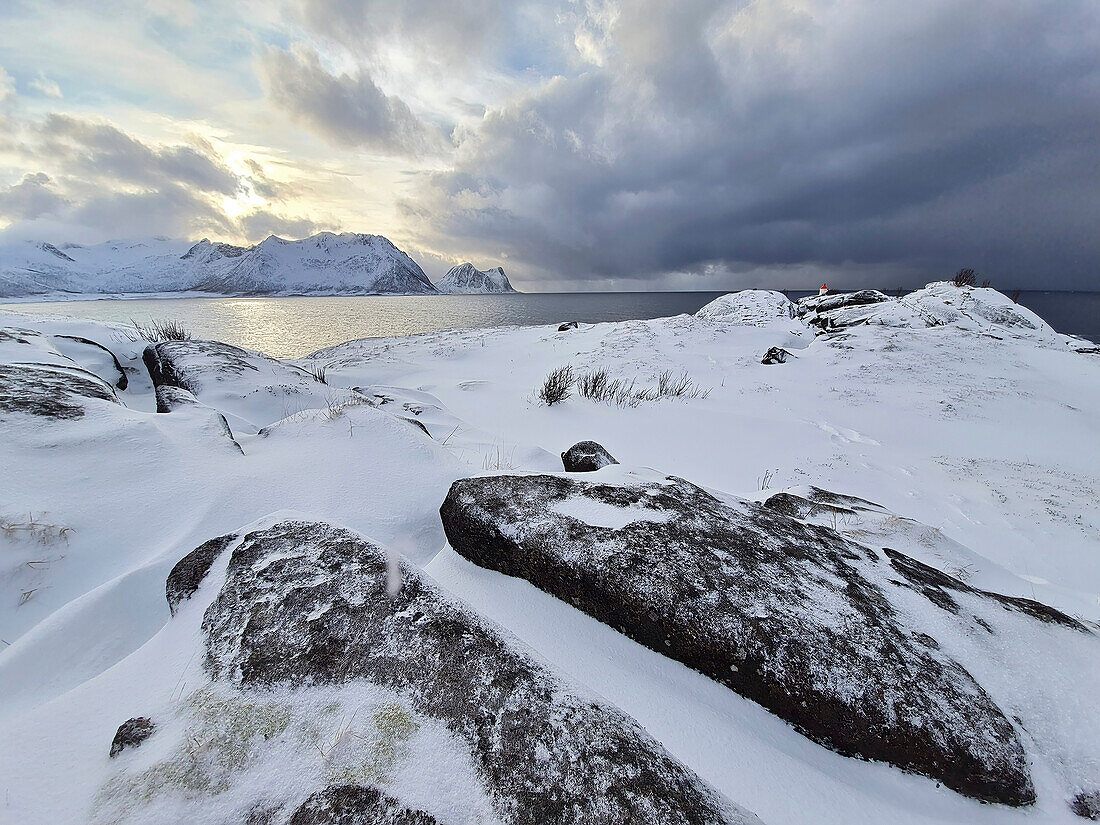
(309, 603)
(749, 307)
(132, 733)
(1086, 805)
(123, 381)
(788, 614)
(568, 325)
(585, 457)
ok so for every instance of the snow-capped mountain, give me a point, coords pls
(326, 263)
(468, 279)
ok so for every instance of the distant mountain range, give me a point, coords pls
(324, 264)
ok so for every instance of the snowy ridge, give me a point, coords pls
(467, 279)
(326, 263)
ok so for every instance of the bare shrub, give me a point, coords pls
(1015, 296)
(965, 277)
(158, 331)
(558, 386)
(598, 386)
(319, 371)
(34, 528)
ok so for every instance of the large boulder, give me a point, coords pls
(586, 457)
(786, 613)
(310, 604)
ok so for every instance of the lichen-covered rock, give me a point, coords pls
(309, 603)
(356, 805)
(785, 613)
(586, 457)
(189, 571)
(132, 733)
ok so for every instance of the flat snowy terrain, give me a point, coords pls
(953, 428)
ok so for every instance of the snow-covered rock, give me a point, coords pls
(466, 279)
(749, 307)
(326, 263)
(970, 309)
(790, 615)
(308, 604)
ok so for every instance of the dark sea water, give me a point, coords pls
(293, 327)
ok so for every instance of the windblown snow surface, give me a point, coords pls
(972, 425)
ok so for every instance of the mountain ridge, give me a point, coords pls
(326, 263)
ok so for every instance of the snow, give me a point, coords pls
(973, 424)
(324, 264)
(468, 279)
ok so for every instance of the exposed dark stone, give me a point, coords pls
(567, 326)
(1087, 804)
(50, 391)
(309, 603)
(123, 381)
(189, 571)
(780, 611)
(168, 362)
(585, 457)
(170, 397)
(356, 805)
(131, 733)
(775, 355)
(831, 301)
(934, 584)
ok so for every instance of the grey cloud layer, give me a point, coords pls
(911, 137)
(104, 182)
(349, 110)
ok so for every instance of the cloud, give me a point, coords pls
(101, 150)
(258, 225)
(43, 85)
(348, 110)
(453, 32)
(891, 137)
(30, 198)
(7, 86)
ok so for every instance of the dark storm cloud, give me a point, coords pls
(911, 138)
(348, 110)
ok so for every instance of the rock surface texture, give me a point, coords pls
(310, 604)
(788, 614)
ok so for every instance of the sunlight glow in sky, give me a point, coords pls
(580, 143)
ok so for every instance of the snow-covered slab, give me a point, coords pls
(749, 307)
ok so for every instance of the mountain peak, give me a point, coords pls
(468, 279)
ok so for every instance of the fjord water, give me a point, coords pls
(291, 327)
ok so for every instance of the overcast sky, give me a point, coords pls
(581, 144)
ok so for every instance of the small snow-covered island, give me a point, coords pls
(327, 263)
(828, 561)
